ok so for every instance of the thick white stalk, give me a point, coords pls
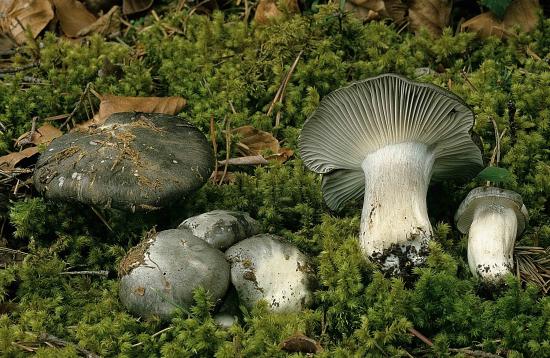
(491, 241)
(394, 209)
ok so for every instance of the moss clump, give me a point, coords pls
(220, 63)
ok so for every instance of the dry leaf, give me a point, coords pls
(72, 16)
(11, 160)
(360, 12)
(130, 7)
(267, 10)
(248, 160)
(32, 14)
(43, 135)
(434, 15)
(254, 141)
(113, 104)
(282, 156)
(520, 13)
(106, 25)
(301, 343)
(229, 177)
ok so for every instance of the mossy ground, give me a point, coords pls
(220, 63)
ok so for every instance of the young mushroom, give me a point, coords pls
(492, 218)
(385, 138)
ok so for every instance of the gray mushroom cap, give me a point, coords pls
(490, 196)
(264, 267)
(365, 116)
(135, 161)
(162, 272)
(221, 228)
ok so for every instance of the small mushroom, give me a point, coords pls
(221, 228)
(492, 218)
(135, 161)
(264, 267)
(385, 139)
(161, 273)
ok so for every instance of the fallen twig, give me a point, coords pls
(467, 350)
(18, 69)
(104, 273)
(154, 335)
(248, 160)
(45, 338)
(281, 91)
(78, 104)
(227, 148)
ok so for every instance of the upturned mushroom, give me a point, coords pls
(492, 218)
(386, 138)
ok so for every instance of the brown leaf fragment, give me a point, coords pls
(72, 16)
(434, 15)
(300, 343)
(107, 25)
(9, 161)
(521, 13)
(282, 156)
(360, 12)
(267, 10)
(43, 135)
(31, 14)
(254, 141)
(228, 178)
(130, 7)
(113, 104)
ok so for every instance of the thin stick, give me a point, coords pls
(155, 335)
(214, 146)
(104, 273)
(78, 104)
(45, 337)
(463, 73)
(101, 218)
(18, 69)
(227, 148)
(280, 92)
(420, 336)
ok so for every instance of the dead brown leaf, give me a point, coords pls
(434, 15)
(9, 161)
(108, 24)
(112, 104)
(31, 14)
(520, 13)
(130, 7)
(301, 343)
(360, 12)
(72, 16)
(268, 11)
(43, 135)
(254, 141)
(228, 178)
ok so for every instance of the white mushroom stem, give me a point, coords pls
(491, 241)
(394, 209)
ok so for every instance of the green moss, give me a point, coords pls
(219, 63)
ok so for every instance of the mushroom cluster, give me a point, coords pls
(161, 273)
(385, 139)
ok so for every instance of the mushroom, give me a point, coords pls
(161, 273)
(221, 228)
(492, 218)
(385, 138)
(264, 267)
(135, 161)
